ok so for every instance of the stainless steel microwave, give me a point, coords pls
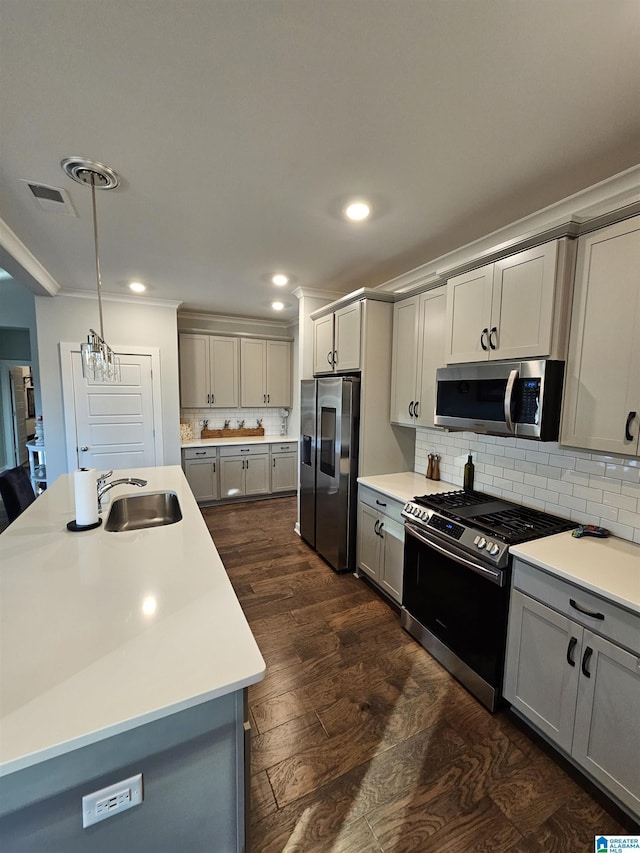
(519, 398)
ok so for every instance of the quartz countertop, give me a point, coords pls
(608, 567)
(248, 439)
(103, 632)
(406, 485)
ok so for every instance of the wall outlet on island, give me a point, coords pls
(112, 800)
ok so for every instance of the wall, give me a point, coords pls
(127, 323)
(588, 488)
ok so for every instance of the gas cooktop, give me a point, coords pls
(507, 522)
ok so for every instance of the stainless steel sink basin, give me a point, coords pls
(150, 509)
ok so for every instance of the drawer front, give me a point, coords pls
(383, 503)
(287, 447)
(599, 615)
(200, 452)
(244, 450)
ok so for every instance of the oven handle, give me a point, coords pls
(508, 400)
(493, 575)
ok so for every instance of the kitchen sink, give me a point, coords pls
(136, 512)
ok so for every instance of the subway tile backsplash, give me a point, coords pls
(271, 419)
(588, 488)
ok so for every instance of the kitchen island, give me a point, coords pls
(122, 653)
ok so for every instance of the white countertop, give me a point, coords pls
(102, 632)
(248, 439)
(406, 485)
(608, 567)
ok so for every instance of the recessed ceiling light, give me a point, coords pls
(277, 306)
(356, 211)
(137, 287)
(280, 280)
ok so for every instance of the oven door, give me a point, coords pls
(458, 610)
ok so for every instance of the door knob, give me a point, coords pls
(84, 447)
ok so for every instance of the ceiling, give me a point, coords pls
(239, 128)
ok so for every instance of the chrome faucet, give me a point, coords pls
(104, 487)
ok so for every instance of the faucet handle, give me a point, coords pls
(102, 478)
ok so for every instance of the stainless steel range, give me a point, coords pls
(457, 575)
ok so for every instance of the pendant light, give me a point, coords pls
(99, 362)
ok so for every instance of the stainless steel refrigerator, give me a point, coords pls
(329, 427)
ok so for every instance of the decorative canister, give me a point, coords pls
(186, 432)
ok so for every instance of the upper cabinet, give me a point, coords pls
(209, 371)
(265, 374)
(418, 351)
(514, 308)
(602, 384)
(336, 341)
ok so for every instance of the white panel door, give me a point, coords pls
(278, 373)
(115, 422)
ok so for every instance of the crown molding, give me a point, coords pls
(122, 297)
(23, 266)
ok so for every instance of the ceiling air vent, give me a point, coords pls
(51, 199)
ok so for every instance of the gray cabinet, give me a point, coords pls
(418, 351)
(380, 552)
(336, 341)
(572, 672)
(284, 467)
(601, 408)
(514, 308)
(244, 471)
(208, 371)
(265, 373)
(201, 471)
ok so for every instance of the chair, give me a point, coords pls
(16, 491)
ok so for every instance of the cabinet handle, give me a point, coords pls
(274, 463)
(201, 452)
(214, 467)
(213, 398)
(482, 343)
(375, 527)
(591, 613)
(335, 357)
(380, 503)
(415, 409)
(627, 431)
(586, 657)
(411, 409)
(494, 331)
(330, 358)
(572, 644)
(268, 398)
(380, 530)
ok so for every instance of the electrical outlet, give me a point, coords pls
(112, 800)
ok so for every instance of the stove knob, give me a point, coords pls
(424, 514)
(416, 510)
(494, 549)
(482, 543)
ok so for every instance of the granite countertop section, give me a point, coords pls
(249, 439)
(104, 632)
(406, 485)
(609, 567)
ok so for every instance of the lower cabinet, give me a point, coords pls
(201, 471)
(381, 540)
(244, 471)
(284, 467)
(572, 671)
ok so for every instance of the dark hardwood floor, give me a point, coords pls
(361, 741)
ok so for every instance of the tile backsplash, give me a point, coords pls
(271, 419)
(588, 488)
